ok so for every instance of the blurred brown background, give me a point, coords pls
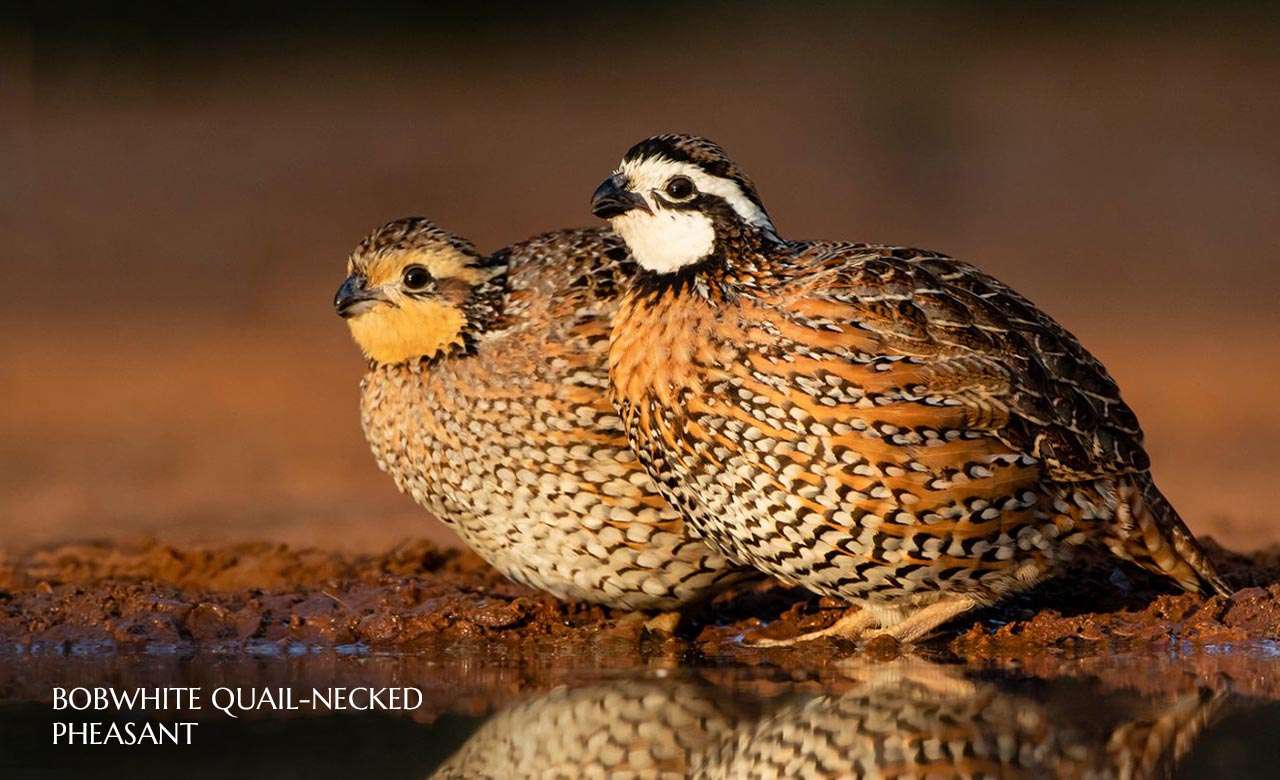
(178, 196)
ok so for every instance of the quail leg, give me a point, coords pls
(851, 625)
(922, 622)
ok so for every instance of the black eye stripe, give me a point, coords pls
(702, 201)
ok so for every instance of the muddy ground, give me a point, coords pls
(90, 598)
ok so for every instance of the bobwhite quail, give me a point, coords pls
(882, 424)
(485, 400)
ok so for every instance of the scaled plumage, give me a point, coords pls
(883, 424)
(486, 401)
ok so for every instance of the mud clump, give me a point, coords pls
(121, 597)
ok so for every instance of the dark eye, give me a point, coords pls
(416, 277)
(680, 187)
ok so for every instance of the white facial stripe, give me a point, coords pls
(652, 174)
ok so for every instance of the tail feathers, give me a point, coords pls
(1152, 747)
(1148, 531)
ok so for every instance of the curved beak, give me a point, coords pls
(353, 299)
(612, 198)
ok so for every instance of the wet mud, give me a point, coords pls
(419, 597)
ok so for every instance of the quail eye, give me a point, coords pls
(680, 187)
(416, 277)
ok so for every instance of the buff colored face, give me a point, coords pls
(406, 304)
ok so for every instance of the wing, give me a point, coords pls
(969, 341)
(572, 277)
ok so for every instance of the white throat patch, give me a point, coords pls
(670, 239)
(666, 240)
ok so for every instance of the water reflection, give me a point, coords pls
(1208, 713)
(909, 718)
(650, 728)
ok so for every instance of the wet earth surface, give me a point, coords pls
(1103, 673)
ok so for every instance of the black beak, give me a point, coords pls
(353, 299)
(612, 198)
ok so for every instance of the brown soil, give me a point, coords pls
(269, 598)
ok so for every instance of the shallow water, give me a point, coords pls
(482, 713)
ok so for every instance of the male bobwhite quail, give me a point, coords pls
(882, 424)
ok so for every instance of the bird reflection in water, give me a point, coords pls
(908, 718)
(627, 728)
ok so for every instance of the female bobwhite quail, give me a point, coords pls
(882, 424)
(486, 401)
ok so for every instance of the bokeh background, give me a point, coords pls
(178, 195)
